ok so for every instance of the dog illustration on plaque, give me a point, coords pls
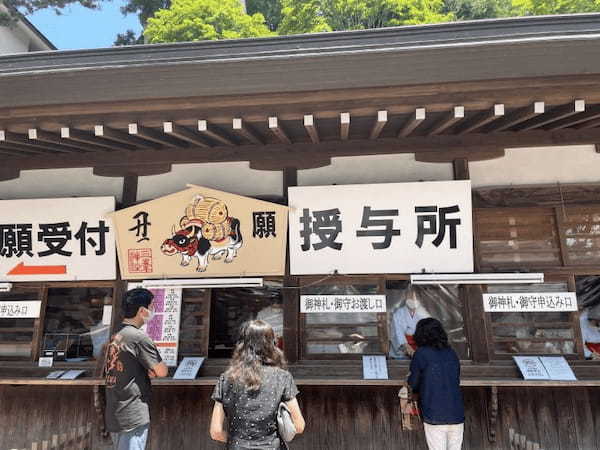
(205, 230)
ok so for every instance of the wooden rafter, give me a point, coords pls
(246, 131)
(278, 131)
(578, 119)
(23, 149)
(344, 126)
(516, 117)
(478, 121)
(557, 113)
(412, 123)
(155, 136)
(214, 133)
(22, 139)
(382, 118)
(311, 128)
(44, 136)
(85, 137)
(122, 137)
(457, 113)
(303, 154)
(184, 134)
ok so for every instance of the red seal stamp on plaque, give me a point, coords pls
(139, 260)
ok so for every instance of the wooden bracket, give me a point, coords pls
(125, 170)
(9, 173)
(299, 163)
(492, 413)
(451, 155)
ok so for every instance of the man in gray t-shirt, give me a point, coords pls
(132, 359)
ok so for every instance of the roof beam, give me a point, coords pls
(557, 113)
(478, 121)
(311, 128)
(344, 126)
(516, 117)
(184, 134)
(154, 136)
(457, 113)
(244, 130)
(412, 123)
(214, 133)
(382, 118)
(23, 149)
(76, 135)
(278, 131)
(122, 137)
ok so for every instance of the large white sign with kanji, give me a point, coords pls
(381, 228)
(58, 239)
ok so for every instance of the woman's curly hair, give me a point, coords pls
(431, 333)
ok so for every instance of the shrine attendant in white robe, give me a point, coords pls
(404, 323)
(590, 332)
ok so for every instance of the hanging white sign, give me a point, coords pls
(20, 309)
(57, 239)
(530, 302)
(342, 304)
(381, 228)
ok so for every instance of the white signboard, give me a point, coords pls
(530, 302)
(20, 309)
(57, 239)
(381, 228)
(188, 368)
(545, 368)
(375, 367)
(342, 303)
(531, 368)
(163, 329)
(558, 368)
(45, 361)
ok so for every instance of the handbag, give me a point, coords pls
(285, 426)
(409, 410)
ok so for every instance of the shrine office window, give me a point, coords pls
(544, 332)
(231, 307)
(408, 304)
(588, 299)
(77, 324)
(326, 334)
(18, 330)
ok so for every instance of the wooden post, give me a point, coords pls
(130, 186)
(290, 296)
(461, 169)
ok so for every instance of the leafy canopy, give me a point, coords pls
(196, 20)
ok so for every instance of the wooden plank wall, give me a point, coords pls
(338, 418)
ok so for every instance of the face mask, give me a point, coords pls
(150, 315)
(412, 303)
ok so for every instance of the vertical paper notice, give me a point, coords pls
(163, 329)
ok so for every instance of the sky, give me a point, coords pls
(80, 27)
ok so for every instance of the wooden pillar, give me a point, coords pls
(130, 186)
(291, 299)
(461, 169)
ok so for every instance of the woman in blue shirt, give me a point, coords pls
(435, 377)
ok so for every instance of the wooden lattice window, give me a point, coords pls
(526, 333)
(18, 336)
(580, 231)
(343, 335)
(194, 326)
(509, 238)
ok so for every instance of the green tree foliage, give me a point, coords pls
(270, 9)
(307, 16)
(197, 20)
(477, 9)
(543, 7)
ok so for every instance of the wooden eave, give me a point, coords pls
(443, 92)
